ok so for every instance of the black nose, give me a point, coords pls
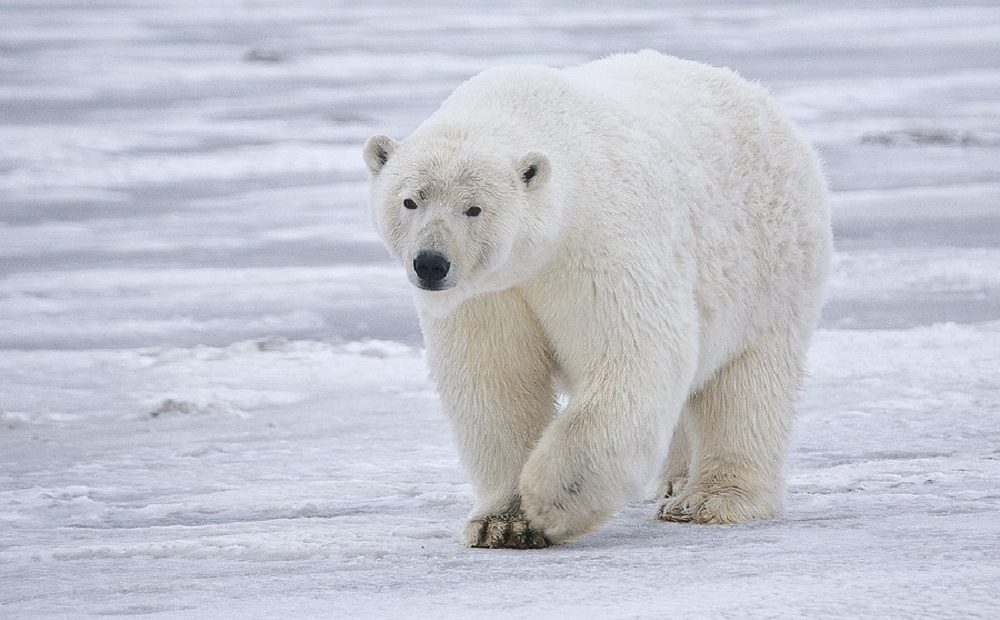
(431, 266)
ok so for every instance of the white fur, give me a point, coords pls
(668, 255)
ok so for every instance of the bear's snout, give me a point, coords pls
(431, 268)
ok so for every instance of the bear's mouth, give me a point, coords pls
(433, 285)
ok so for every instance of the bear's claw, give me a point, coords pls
(504, 531)
(716, 505)
(675, 512)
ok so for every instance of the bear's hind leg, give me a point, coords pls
(739, 424)
(675, 467)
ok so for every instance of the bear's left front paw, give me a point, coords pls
(561, 504)
(503, 531)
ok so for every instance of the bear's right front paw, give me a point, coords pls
(503, 531)
(718, 503)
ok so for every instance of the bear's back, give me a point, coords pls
(660, 93)
(654, 85)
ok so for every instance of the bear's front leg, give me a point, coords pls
(597, 453)
(494, 377)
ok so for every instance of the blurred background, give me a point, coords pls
(189, 172)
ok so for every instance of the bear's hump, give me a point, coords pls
(509, 86)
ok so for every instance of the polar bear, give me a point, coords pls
(617, 269)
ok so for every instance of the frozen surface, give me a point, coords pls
(212, 396)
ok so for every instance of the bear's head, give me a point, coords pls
(463, 217)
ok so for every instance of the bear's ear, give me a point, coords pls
(533, 169)
(377, 152)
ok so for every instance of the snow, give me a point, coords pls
(213, 400)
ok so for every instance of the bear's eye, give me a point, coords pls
(473, 211)
(409, 204)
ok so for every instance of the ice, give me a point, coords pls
(213, 396)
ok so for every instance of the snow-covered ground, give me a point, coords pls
(212, 396)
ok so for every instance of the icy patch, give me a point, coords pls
(264, 55)
(16, 419)
(171, 406)
(940, 270)
(377, 348)
(932, 137)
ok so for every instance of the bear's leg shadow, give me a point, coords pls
(739, 424)
(494, 376)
